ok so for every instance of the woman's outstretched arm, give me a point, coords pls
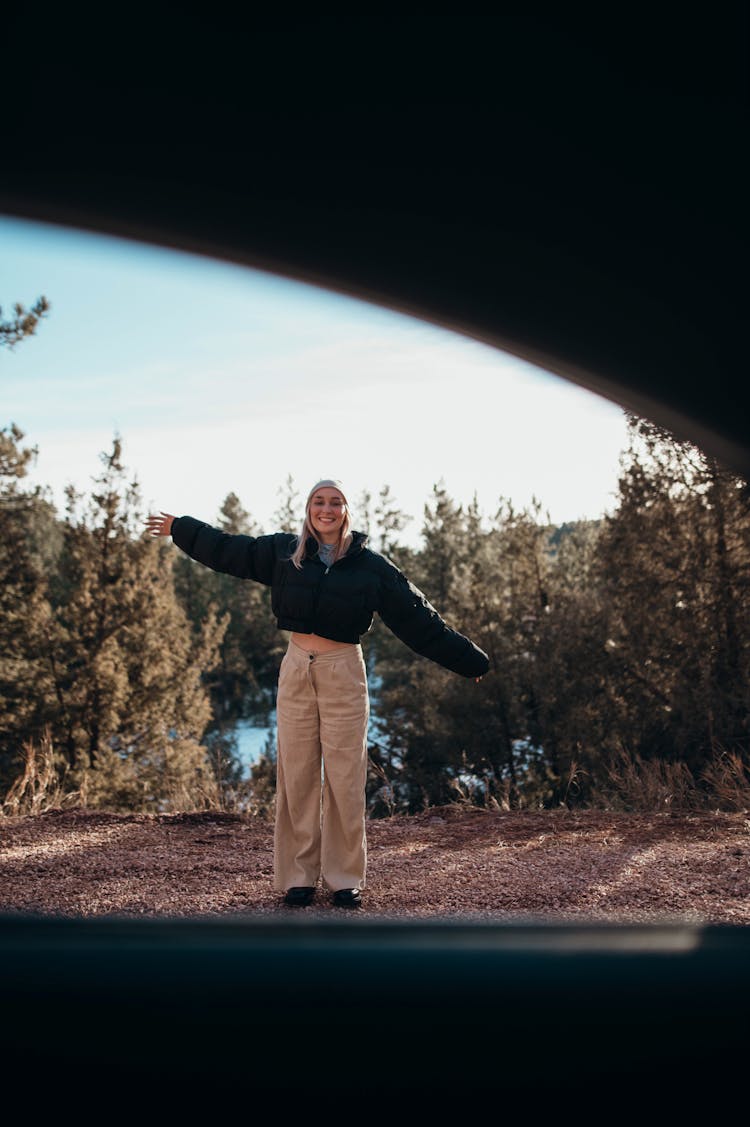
(409, 615)
(247, 557)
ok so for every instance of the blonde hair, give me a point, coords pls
(307, 530)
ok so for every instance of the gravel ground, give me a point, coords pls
(447, 862)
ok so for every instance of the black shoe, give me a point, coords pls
(347, 898)
(299, 897)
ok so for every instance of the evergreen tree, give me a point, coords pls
(132, 708)
(390, 520)
(23, 323)
(288, 516)
(235, 519)
(14, 458)
(24, 611)
(515, 741)
(561, 668)
(675, 569)
(421, 750)
(363, 513)
(25, 684)
(439, 562)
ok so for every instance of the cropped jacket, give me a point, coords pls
(336, 602)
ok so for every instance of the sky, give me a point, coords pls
(222, 379)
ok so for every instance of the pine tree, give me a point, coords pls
(23, 323)
(127, 670)
(674, 562)
(390, 521)
(421, 747)
(25, 684)
(363, 513)
(24, 611)
(440, 559)
(235, 519)
(288, 516)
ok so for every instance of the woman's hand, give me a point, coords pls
(160, 525)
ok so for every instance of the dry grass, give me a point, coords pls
(653, 785)
(42, 784)
(650, 785)
(728, 781)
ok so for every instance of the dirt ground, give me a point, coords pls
(447, 862)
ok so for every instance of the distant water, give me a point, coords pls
(251, 740)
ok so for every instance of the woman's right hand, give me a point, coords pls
(160, 525)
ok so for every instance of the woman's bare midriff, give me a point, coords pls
(315, 644)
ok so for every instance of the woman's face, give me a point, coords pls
(326, 513)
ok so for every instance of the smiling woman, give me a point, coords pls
(326, 585)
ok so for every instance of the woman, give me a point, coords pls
(325, 586)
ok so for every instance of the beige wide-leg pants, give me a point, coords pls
(322, 711)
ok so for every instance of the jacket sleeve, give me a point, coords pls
(408, 614)
(247, 557)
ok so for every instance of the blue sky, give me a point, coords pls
(219, 378)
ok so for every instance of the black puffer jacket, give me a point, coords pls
(334, 602)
